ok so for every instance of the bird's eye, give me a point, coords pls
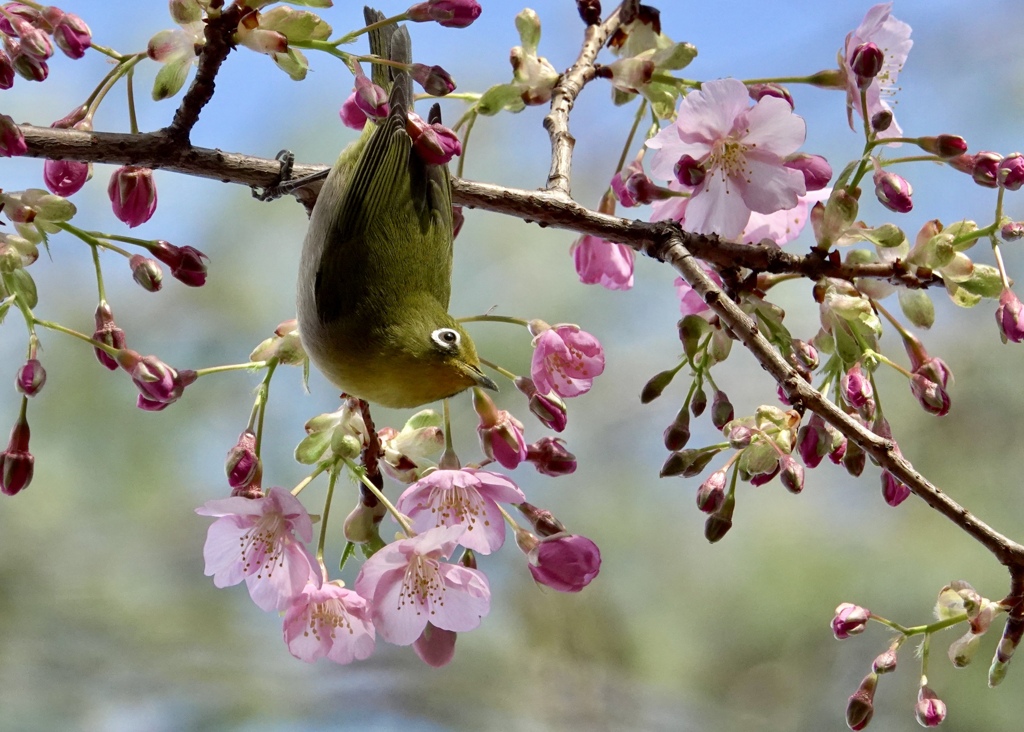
(447, 338)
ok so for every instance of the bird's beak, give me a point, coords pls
(482, 379)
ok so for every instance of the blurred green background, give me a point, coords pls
(108, 622)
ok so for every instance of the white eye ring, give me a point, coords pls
(446, 338)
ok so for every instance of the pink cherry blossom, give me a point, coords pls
(407, 584)
(565, 359)
(892, 36)
(785, 225)
(742, 148)
(466, 497)
(605, 263)
(255, 539)
(328, 621)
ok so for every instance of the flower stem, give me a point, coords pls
(401, 518)
(486, 318)
(250, 365)
(332, 479)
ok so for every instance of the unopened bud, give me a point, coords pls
(656, 385)
(791, 473)
(698, 402)
(146, 272)
(721, 409)
(861, 706)
(677, 434)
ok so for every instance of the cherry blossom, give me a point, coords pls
(407, 585)
(605, 263)
(565, 359)
(466, 497)
(890, 35)
(328, 621)
(255, 539)
(742, 148)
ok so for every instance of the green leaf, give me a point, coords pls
(676, 56)
(528, 26)
(170, 78)
(296, 25)
(917, 305)
(422, 419)
(961, 297)
(312, 3)
(759, 458)
(20, 283)
(984, 281)
(500, 97)
(293, 63)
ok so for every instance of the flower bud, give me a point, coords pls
(757, 92)
(689, 171)
(66, 177)
(107, 332)
(656, 385)
(881, 121)
(435, 646)
(6, 71)
(1009, 317)
(893, 191)
(791, 473)
(242, 465)
(849, 620)
(856, 387)
(17, 464)
(565, 562)
(132, 194)
(815, 169)
(31, 377)
(370, 98)
(885, 662)
(866, 61)
(698, 402)
(677, 434)
(739, 436)
(943, 146)
(501, 434)
(12, 141)
(550, 457)
(721, 409)
(962, 650)
(448, 13)
(187, 264)
(718, 524)
(361, 524)
(30, 67)
(985, 168)
(542, 520)
(549, 408)
(1013, 231)
(434, 143)
(893, 490)
(435, 80)
(931, 396)
(929, 710)
(146, 272)
(72, 35)
(861, 706)
(1010, 173)
(711, 494)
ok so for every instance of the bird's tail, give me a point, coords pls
(394, 43)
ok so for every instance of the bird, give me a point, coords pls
(375, 270)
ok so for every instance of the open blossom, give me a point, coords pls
(565, 359)
(466, 497)
(890, 35)
(254, 539)
(328, 621)
(407, 584)
(742, 150)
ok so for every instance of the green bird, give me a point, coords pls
(376, 266)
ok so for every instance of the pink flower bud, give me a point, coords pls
(132, 193)
(434, 143)
(930, 395)
(17, 464)
(159, 385)
(893, 191)
(449, 13)
(815, 169)
(550, 457)
(501, 434)
(856, 387)
(791, 473)
(72, 35)
(943, 146)
(187, 264)
(757, 92)
(549, 408)
(65, 177)
(34, 41)
(16, 12)
(866, 61)
(721, 409)
(29, 67)
(1010, 173)
(435, 80)
(689, 171)
(861, 706)
(893, 490)
(929, 710)
(565, 562)
(711, 493)
(885, 662)
(985, 168)
(242, 464)
(12, 141)
(849, 620)
(107, 332)
(1008, 316)
(6, 71)
(146, 272)
(31, 377)
(370, 98)
(1012, 231)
